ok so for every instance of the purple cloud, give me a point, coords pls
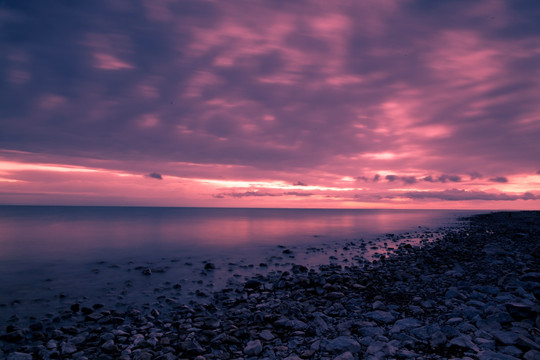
(155, 176)
(361, 178)
(499, 179)
(199, 89)
(443, 178)
(253, 193)
(465, 195)
(405, 179)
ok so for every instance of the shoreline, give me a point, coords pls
(472, 294)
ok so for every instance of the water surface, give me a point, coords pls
(51, 257)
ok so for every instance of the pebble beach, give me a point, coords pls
(468, 292)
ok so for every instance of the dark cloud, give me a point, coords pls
(443, 178)
(299, 183)
(295, 91)
(297, 193)
(155, 176)
(254, 193)
(465, 195)
(405, 179)
(499, 179)
(475, 175)
(361, 178)
(408, 179)
(452, 178)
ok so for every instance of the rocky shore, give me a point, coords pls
(472, 294)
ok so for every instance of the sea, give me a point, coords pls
(51, 256)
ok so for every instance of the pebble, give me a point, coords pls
(469, 295)
(253, 348)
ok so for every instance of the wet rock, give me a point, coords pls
(492, 355)
(345, 356)
(93, 317)
(19, 356)
(253, 348)
(437, 339)
(526, 343)
(463, 342)
(505, 337)
(292, 357)
(342, 344)
(68, 348)
(405, 324)
(293, 324)
(266, 335)
(192, 347)
(109, 346)
(520, 311)
(146, 271)
(36, 326)
(252, 284)
(532, 276)
(381, 316)
(14, 336)
(531, 355)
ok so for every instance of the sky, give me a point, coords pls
(299, 104)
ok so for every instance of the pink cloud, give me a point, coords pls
(110, 62)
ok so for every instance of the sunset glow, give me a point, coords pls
(304, 104)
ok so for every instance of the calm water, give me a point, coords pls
(38, 232)
(95, 254)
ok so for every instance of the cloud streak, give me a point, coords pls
(378, 96)
(256, 193)
(465, 195)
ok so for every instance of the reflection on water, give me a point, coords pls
(95, 254)
(34, 232)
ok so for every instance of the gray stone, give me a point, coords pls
(511, 350)
(109, 346)
(464, 342)
(520, 311)
(370, 331)
(320, 325)
(492, 355)
(532, 276)
(266, 335)
(381, 316)
(345, 356)
(505, 337)
(437, 339)
(405, 324)
(378, 305)
(19, 356)
(293, 324)
(485, 344)
(375, 347)
(342, 344)
(531, 355)
(68, 348)
(526, 343)
(192, 347)
(253, 348)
